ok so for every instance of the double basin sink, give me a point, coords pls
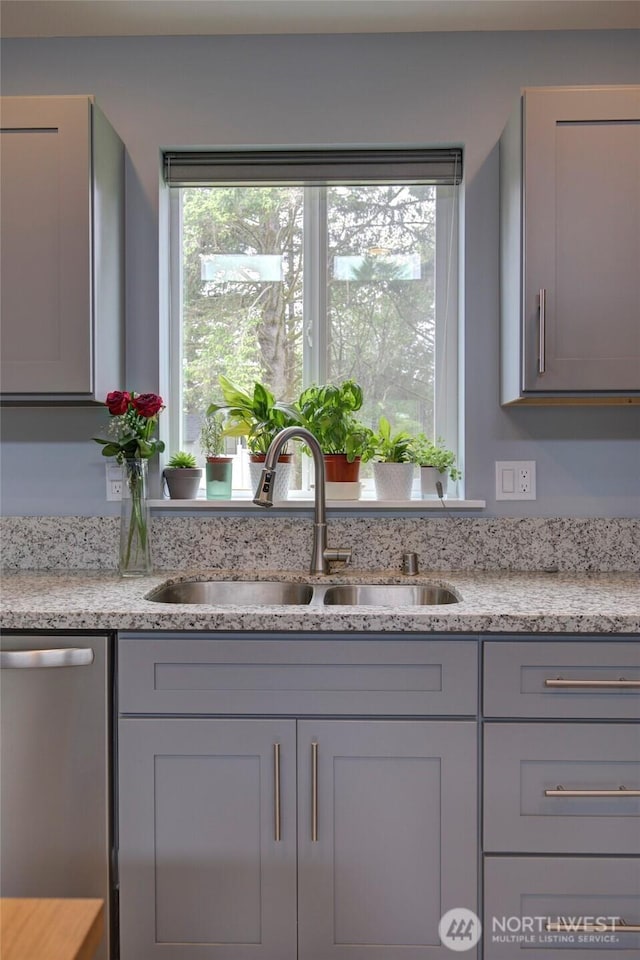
(286, 592)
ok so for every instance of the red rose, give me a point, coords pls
(117, 402)
(147, 404)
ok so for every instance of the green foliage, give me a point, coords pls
(381, 325)
(182, 460)
(328, 412)
(212, 433)
(392, 447)
(258, 416)
(430, 454)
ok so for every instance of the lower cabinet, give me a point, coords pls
(546, 908)
(282, 839)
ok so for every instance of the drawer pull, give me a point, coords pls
(277, 824)
(57, 657)
(314, 792)
(620, 791)
(621, 926)
(621, 684)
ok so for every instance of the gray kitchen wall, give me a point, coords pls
(349, 89)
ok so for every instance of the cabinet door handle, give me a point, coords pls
(277, 815)
(564, 926)
(621, 684)
(620, 791)
(314, 792)
(542, 331)
(60, 657)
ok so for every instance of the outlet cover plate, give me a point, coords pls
(114, 481)
(515, 480)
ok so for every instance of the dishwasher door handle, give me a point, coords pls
(58, 657)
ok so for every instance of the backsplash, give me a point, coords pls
(284, 543)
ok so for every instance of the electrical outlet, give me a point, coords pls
(515, 480)
(114, 481)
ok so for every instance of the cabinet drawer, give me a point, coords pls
(232, 675)
(593, 679)
(525, 895)
(524, 761)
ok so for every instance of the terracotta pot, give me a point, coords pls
(338, 469)
(283, 473)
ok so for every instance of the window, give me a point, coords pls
(303, 267)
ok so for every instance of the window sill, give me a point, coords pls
(366, 505)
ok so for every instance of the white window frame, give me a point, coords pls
(448, 361)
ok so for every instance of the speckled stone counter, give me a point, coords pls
(502, 602)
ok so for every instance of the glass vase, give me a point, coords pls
(135, 547)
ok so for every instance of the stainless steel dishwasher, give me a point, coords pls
(55, 781)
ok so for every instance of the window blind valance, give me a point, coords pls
(439, 166)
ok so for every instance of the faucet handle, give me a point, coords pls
(333, 554)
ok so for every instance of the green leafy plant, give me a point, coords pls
(327, 411)
(182, 460)
(391, 447)
(258, 416)
(212, 434)
(430, 454)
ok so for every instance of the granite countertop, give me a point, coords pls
(494, 601)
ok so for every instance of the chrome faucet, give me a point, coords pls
(321, 555)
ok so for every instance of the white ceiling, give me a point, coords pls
(83, 18)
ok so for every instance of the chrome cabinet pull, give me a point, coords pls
(620, 791)
(542, 332)
(563, 926)
(621, 684)
(314, 792)
(31, 659)
(277, 819)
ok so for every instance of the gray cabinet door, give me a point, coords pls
(61, 223)
(570, 230)
(207, 868)
(582, 239)
(387, 836)
(545, 908)
(569, 788)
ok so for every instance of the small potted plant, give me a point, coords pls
(437, 465)
(393, 462)
(258, 416)
(182, 476)
(328, 411)
(219, 466)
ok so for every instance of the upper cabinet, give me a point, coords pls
(570, 247)
(62, 251)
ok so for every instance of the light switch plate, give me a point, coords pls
(515, 480)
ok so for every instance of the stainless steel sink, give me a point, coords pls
(222, 593)
(388, 595)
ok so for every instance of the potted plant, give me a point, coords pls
(182, 476)
(437, 465)
(258, 416)
(219, 466)
(328, 411)
(393, 462)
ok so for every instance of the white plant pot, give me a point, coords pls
(393, 481)
(429, 476)
(283, 478)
